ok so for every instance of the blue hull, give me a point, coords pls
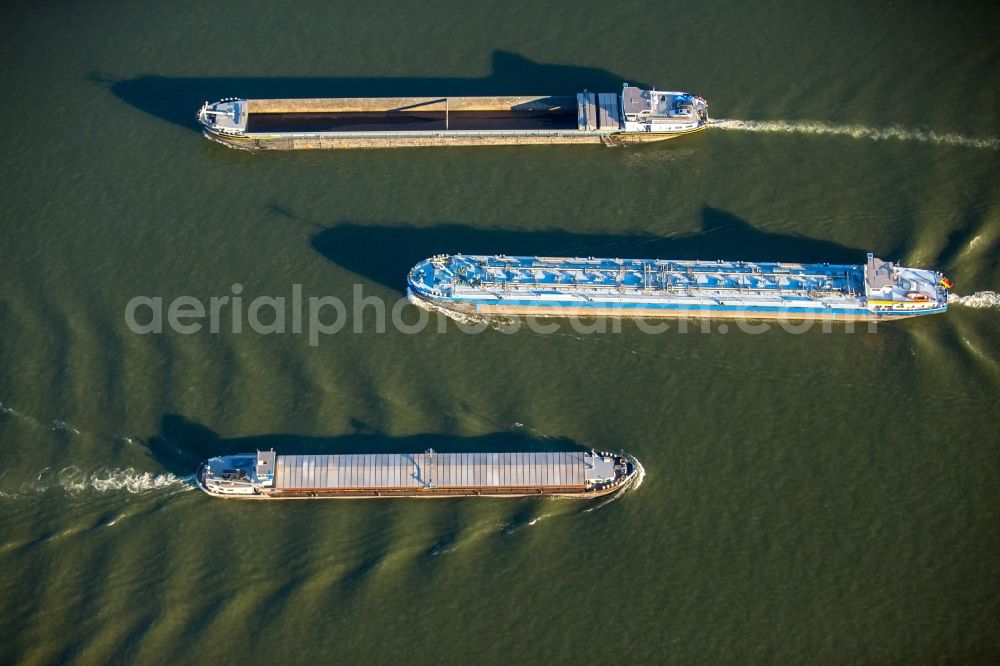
(556, 286)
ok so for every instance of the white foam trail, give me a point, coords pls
(510, 528)
(496, 322)
(640, 474)
(633, 485)
(976, 350)
(856, 132)
(539, 518)
(980, 299)
(460, 317)
(76, 482)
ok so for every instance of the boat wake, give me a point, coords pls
(76, 482)
(633, 485)
(557, 507)
(462, 318)
(497, 323)
(510, 528)
(640, 474)
(856, 132)
(128, 480)
(980, 299)
(603, 503)
(60, 425)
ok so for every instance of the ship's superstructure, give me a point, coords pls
(634, 115)
(559, 286)
(267, 475)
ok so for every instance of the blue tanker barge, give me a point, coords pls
(460, 285)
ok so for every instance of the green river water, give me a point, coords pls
(810, 497)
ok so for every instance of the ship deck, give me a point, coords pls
(426, 474)
(398, 122)
(408, 121)
(410, 114)
(594, 277)
(432, 470)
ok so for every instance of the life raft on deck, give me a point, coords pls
(917, 296)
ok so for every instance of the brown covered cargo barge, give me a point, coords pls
(634, 115)
(267, 475)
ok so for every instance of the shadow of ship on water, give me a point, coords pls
(182, 444)
(385, 254)
(177, 99)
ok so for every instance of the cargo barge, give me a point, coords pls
(459, 285)
(634, 115)
(267, 475)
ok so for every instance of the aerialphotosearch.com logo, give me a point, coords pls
(329, 315)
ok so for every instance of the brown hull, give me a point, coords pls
(371, 493)
(634, 474)
(333, 143)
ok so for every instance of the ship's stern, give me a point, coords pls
(239, 475)
(893, 291)
(658, 112)
(225, 118)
